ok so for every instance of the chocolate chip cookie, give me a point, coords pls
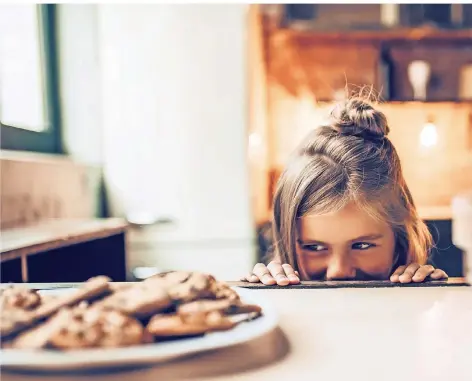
(225, 306)
(174, 325)
(141, 300)
(14, 320)
(184, 286)
(19, 297)
(95, 327)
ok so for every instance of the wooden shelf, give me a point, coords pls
(55, 249)
(411, 101)
(48, 235)
(423, 34)
(452, 101)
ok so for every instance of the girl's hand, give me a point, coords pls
(416, 273)
(273, 273)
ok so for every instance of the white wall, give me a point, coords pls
(80, 81)
(173, 112)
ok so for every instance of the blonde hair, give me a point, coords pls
(348, 159)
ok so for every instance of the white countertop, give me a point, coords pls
(377, 334)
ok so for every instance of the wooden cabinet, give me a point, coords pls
(64, 251)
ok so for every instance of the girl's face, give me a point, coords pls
(348, 244)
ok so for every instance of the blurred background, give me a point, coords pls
(171, 123)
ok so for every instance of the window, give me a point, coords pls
(29, 112)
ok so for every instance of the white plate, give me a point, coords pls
(144, 354)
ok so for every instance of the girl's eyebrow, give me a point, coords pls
(367, 237)
(311, 242)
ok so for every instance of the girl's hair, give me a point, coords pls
(348, 159)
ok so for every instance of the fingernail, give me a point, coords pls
(404, 278)
(267, 279)
(282, 280)
(293, 278)
(253, 278)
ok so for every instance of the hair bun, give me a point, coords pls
(358, 117)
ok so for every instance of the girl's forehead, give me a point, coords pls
(345, 224)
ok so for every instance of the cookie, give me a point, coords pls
(13, 321)
(225, 306)
(195, 287)
(141, 300)
(100, 314)
(19, 297)
(47, 298)
(222, 291)
(184, 286)
(174, 325)
(91, 289)
(39, 336)
(115, 287)
(94, 327)
(169, 278)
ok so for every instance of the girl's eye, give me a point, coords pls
(362, 246)
(314, 247)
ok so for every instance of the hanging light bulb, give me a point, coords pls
(429, 134)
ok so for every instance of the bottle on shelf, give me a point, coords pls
(385, 75)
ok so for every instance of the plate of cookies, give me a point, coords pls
(105, 324)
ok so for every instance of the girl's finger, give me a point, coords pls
(251, 278)
(439, 274)
(277, 271)
(422, 273)
(395, 277)
(291, 274)
(263, 273)
(407, 275)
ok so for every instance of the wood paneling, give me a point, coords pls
(421, 34)
(322, 69)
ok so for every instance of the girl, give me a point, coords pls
(342, 209)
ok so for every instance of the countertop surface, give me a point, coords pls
(370, 333)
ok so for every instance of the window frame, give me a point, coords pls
(49, 140)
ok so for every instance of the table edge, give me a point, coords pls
(451, 282)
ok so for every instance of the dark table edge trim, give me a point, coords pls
(451, 282)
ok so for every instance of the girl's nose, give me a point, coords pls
(340, 268)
